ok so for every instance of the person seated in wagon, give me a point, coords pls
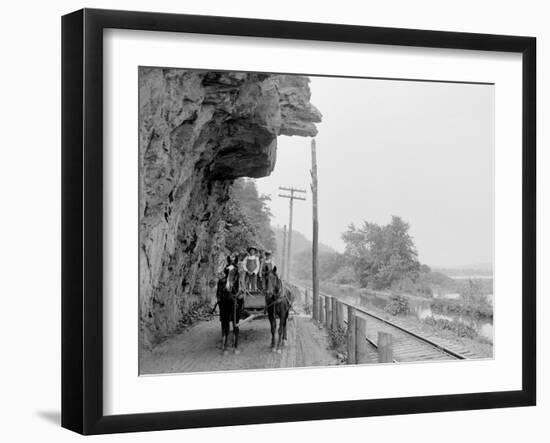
(251, 266)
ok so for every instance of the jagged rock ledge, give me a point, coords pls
(198, 131)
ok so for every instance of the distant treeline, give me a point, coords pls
(384, 257)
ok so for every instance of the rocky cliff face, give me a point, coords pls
(199, 130)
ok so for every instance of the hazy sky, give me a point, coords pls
(423, 151)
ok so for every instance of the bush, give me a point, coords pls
(475, 289)
(425, 290)
(457, 327)
(197, 311)
(398, 305)
(408, 286)
(472, 308)
(338, 338)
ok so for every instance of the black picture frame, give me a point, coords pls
(82, 220)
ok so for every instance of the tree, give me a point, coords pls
(247, 218)
(382, 255)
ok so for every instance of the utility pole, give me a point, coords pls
(283, 258)
(291, 198)
(315, 244)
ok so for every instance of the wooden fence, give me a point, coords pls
(336, 315)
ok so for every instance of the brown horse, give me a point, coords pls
(230, 304)
(278, 301)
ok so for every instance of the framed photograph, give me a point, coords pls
(269, 221)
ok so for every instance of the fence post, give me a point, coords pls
(361, 349)
(334, 313)
(340, 312)
(313, 313)
(385, 347)
(320, 311)
(351, 335)
(327, 311)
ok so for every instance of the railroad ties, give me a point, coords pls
(373, 339)
(405, 345)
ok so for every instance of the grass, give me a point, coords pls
(477, 307)
(338, 342)
(460, 329)
(338, 338)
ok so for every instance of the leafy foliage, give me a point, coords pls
(398, 305)
(480, 308)
(475, 289)
(382, 255)
(198, 311)
(338, 338)
(457, 327)
(247, 218)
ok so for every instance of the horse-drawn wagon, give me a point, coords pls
(236, 303)
(254, 301)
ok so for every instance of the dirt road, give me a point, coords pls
(198, 349)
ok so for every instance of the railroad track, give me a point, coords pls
(408, 346)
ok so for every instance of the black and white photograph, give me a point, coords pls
(289, 220)
(261, 222)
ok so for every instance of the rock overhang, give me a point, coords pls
(198, 131)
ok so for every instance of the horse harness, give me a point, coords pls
(278, 300)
